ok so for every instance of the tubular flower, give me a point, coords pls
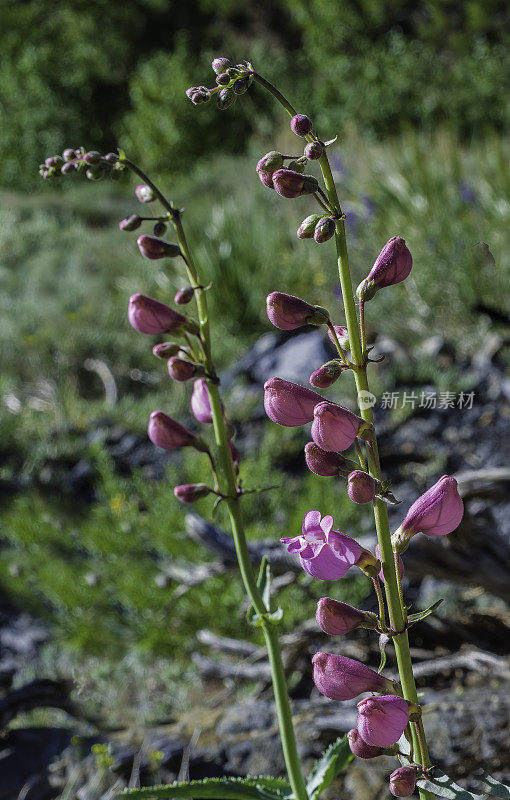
(342, 678)
(168, 434)
(324, 553)
(382, 720)
(337, 619)
(288, 312)
(200, 403)
(437, 512)
(334, 427)
(289, 404)
(147, 315)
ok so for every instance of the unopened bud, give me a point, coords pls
(223, 79)
(403, 781)
(94, 173)
(147, 315)
(270, 162)
(323, 462)
(361, 748)
(144, 193)
(169, 434)
(92, 157)
(289, 183)
(240, 85)
(130, 223)
(314, 150)
(288, 312)
(366, 290)
(324, 230)
(368, 563)
(226, 98)
(181, 370)
(69, 167)
(166, 350)
(220, 65)
(337, 619)
(360, 487)
(296, 165)
(307, 227)
(159, 228)
(154, 248)
(325, 376)
(191, 492)
(184, 295)
(301, 125)
(69, 154)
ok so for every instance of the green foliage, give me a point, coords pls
(257, 788)
(333, 761)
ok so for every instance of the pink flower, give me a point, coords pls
(288, 312)
(326, 375)
(180, 370)
(437, 512)
(392, 265)
(165, 432)
(361, 748)
(153, 248)
(334, 428)
(200, 403)
(403, 781)
(144, 193)
(147, 315)
(322, 462)
(382, 720)
(360, 487)
(342, 334)
(289, 183)
(191, 492)
(288, 404)
(323, 553)
(337, 619)
(342, 678)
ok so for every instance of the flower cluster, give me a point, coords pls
(93, 164)
(231, 81)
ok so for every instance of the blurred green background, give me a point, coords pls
(418, 94)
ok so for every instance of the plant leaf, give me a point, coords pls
(264, 585)
(412, 618)
(442, 785)
(328, 766)
(493, 787)
(251, 788)
(122, 155)
(383, 641)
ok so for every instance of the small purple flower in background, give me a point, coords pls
(200, 403)
(467, 193)
(403, 781)
(147, 315)
(352, 221)
(289, 404)
(324, 553)
(361, 748)
(288, 312)
(168, 434)
(334, 427)
(382, 720)
(368, 207)
(191, 492)
(337, 165)
(337, 619)
(342, 678)
(437, 512)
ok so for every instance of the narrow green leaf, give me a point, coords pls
(442, 785)
(412, 618)
(264, 585)
(252, 788)
(494, 787)
(328, 766)
(122, 155)
(383, 641)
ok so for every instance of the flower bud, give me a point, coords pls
(69, 154)
(168, 434)
(270, 162)
(225, 99)
(360, 487)
(159, 228)
(288, 404)
(144, 193)
(223, 79)
(184, 295)
(130, 223)
(392, 265)
(220, 65)
(94, 173)
(366, 290)
(314, 150)
(181, 370)
(191, 91)
(324, 462)
(361, 748)
(342, 335)
(337, 619)
(154, 248)
(382, 720)
(191, 492)
(240, 85)
(307, 227)
(437, 512)
(289, 183)
(111, 158)
(301, 125)
(147, 315)
(92, 157)
(296, 165)
(200, 403)
(166, 350)
(266, 178)
(403, 781)
(324, 230)
(325, 376)
(288, 312)
(342, 678)
(334, 427)
(69, 167)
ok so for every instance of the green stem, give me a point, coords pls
(360, 455)
(380, 601)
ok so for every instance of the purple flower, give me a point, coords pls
(289, 404)
(382, 720)
(360, 487)
(403, 781)
(220, 64)
(361, 748)
(191, 492)
(324, 553)
(184, 295)
(130, 223)
(323, 462)
(301, 125)
(166, 350)
(392, 265)
(324, 230)
(326, 375)
(342, 334)
(200, 403)
(307, 227)
(168, 434)
(154, 248)
(289, 183)
(314, 150)
(342, 678)
(147, 315)
(334, 427)
(288, 312)
(181, 370)
(437, 512)
(337, 619)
